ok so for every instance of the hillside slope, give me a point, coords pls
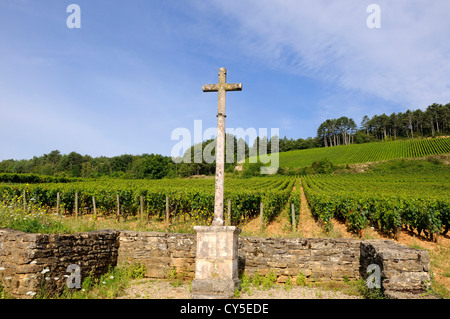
(363, 153)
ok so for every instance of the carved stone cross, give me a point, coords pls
(221, 88)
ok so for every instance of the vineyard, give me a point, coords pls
(186, 198)
(389, 199)
(416, 200)
(367, 152)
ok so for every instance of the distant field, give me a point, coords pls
(367, 152)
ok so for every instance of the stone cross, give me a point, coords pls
(221, 88)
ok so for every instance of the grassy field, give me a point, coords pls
(367, 152)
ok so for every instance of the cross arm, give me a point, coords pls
(233, 86)
(210, 88)
(227, 86)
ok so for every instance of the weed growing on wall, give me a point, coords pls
(110, 285)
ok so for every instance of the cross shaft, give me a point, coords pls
(221, 88)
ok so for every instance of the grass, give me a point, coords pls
(3, 293)
(439, 264)
(367, 152)
(348, 287)
(257, 281)
(109, 286)
(36, 219)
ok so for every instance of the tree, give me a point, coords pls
(242, 149)
(393, 120)
(365, 124)
(418, 118)
(255, 147)
(153, 166)
(71, 164)
(332, 131)
(323, 166)
(409, 118)
(122, 163)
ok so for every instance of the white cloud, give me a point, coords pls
(406, 61)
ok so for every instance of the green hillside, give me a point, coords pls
(367, 152)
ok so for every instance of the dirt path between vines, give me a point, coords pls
(307, 226)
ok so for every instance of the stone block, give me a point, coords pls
(216, 242)
(214, 288)
(216, 264)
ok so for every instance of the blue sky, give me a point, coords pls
(133, 72)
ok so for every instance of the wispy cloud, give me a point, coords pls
(406, 61)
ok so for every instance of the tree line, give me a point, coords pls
(152, 166)
(434, 121)
(145, 166)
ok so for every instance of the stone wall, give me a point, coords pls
(159, 252)
(404, 270)
(28, 261)
(320, 259)
(23, 257)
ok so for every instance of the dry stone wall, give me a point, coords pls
(404, 271)
(31, 261)
(319, 259)
(26, 260)
(159, 252)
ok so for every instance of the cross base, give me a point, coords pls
(216, 263)
(214, 288)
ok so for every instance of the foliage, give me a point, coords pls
(385, 201)
(301, 279)
(3, 293)
(367, 152)
(288, 284)
(108, 286)
(369, 293)
(33, 178)
(295, 199)
(343, 131)
(269, 280)
(33, 220)
(322, 166)
(188, 199)
(252, 169)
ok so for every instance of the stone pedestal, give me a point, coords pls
(216, 264)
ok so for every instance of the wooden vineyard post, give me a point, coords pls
(76, 205)
(228, 220)
(141, 201)
(293, 216)
(24, 201)
(167, 211)
(95, 208)
(118, 207)
(261, 217)
(57, 203)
